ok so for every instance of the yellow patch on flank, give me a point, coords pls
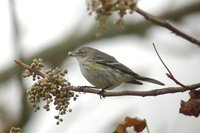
(95, 65)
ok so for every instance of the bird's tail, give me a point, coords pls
(150, 80)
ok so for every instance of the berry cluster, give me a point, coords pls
(15, 130)
(105, 8)
(51, 88)
(36, 65)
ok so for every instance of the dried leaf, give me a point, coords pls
(192, 106)
(137, 124)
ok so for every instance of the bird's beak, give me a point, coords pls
(74, 54)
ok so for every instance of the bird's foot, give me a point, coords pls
(101, 93)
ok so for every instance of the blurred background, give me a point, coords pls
(49, 29)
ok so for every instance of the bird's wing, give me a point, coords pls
(113, 63)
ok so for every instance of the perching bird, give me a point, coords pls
(104, 71)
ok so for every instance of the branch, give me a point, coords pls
(169, 74)
(93, 90)
(153, 92)
(167, 24)
(29, 68)
(25, 112)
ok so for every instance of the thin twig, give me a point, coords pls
(167, 24)
(29, 68)
(93, 90)
(169, 74)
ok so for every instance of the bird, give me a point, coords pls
(104, 71)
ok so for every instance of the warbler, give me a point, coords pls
(104, 71)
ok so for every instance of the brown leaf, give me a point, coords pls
(192, 106)
(137, 124)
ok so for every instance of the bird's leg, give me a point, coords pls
(102, 91)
